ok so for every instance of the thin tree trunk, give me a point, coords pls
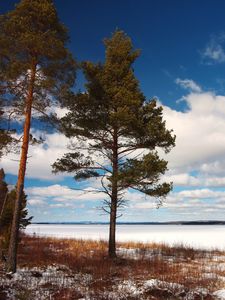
(112, 229)
(114, 197)
(3, 187)
(3, 205)
(14, 237)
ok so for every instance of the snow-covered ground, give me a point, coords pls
(198, 236)
(43, 283)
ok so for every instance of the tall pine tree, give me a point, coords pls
(119, 131)
(37, 71)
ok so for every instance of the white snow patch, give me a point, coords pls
(220, 294)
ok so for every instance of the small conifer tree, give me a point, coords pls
(7, 205)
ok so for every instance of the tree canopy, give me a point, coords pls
(32, 35)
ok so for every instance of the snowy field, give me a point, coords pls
(198, 236)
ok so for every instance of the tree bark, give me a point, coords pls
(112, 229)
(14, 237)
(114, 197)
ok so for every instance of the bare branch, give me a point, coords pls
(104, 187)
(105, 210)
(119, 216)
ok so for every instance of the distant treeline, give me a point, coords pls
(136, 223)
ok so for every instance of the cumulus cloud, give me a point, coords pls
(188, 84)
(182, 179)
(201, 179)
(200, 132)
(200, 193)
(58, 195)
(196, 202)
(36, 202)
(198, 159)
(41, 157)
(185, 205)
(200, 144)
(197, 162)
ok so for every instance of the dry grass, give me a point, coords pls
(178, 264)
(139, 262)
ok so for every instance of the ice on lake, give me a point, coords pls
(198, 236)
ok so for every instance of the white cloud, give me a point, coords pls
(144, 205)
(215, 167)
(214, 51)
(63, 195)
(187, 202)
(200, 132)
(188, 84)
(59, 111)
(198, 202)
(215, 181)
(182, 179)
(41, 157)
(36, 202)
(63, 205)
(197, 160)
(200, 194)
(200, 143)
(201, 179)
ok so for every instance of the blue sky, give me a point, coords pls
(182, 62)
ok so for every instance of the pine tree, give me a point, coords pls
(119, 131)
(6, 216)
(37, 71)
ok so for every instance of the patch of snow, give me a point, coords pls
(129, 287)
(220, 294)
(41, 283)
(158, 283)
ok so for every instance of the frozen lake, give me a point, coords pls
(198, 236)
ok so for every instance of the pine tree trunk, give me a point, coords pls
(114, 197)
(112, 229)
(14, 237)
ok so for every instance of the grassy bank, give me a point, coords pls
(77, 269)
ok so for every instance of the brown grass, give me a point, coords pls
(178, 264)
